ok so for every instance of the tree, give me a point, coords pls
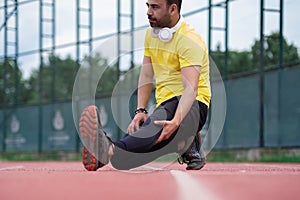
(272, 49)
(237, 61)
(245, 61)
(109, 78)
(58, 76)
(55, 80)
(12, 87)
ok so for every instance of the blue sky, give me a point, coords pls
(243, 24)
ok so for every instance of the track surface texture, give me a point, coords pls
(69, 180)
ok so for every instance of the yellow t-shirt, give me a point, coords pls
(186, 48)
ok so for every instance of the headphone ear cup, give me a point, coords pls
(166, 34)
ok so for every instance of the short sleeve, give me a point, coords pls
(191, 51)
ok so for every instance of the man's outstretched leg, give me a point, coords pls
(96, 144)
(99, 148)
(139, 148)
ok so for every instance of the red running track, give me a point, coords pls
(69, 180)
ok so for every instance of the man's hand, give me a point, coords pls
(135, 123)
(169, 127)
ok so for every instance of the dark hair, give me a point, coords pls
(177, 2)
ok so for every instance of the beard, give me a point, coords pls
(163, 22)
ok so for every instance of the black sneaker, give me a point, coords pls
(96, 144)
(193, 157)
(194, 162)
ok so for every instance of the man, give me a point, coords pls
(176, 56)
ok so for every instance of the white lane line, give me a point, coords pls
(11, 168)
(152, 168)
(191, 188)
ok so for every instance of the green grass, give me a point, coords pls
(236, 155)
(258, 155)
(51, 156)
(223, 156)
(281, 158)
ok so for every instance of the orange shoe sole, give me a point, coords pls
(88, 127)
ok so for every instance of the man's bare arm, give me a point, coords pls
(144, 91)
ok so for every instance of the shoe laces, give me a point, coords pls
(182, 159)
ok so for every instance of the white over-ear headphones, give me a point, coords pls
(166, 34)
